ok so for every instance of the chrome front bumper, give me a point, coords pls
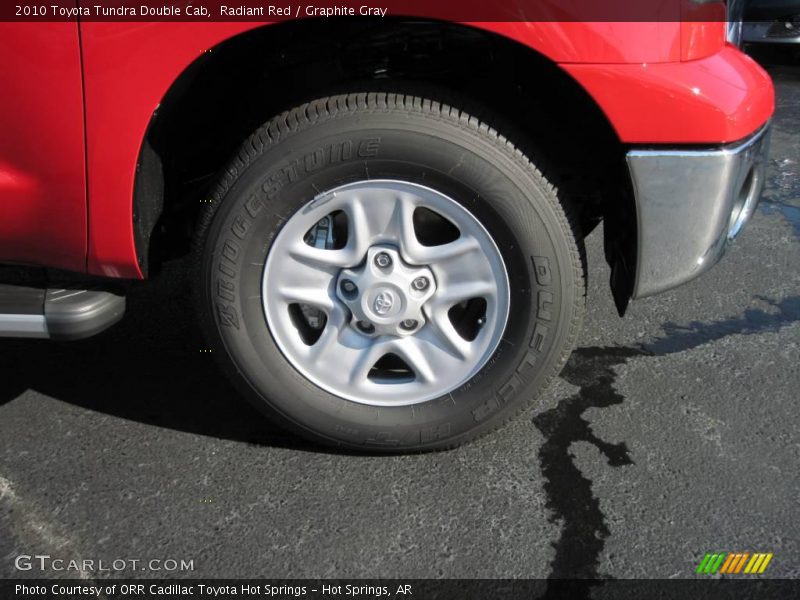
(689, 205)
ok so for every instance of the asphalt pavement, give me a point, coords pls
(671, 433)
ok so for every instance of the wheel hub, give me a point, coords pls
(385, 294)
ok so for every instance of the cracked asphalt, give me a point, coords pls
(671, 433)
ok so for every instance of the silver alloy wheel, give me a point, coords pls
(375, 320)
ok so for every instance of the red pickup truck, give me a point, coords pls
(385, 216)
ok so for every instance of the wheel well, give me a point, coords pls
(239, 85)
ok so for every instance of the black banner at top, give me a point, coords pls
(447, 10)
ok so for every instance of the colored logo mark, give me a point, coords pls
(734, 563)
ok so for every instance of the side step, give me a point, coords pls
(57, 313)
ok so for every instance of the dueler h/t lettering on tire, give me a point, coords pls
(387, 272)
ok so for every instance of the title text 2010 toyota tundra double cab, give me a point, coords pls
(386, 216)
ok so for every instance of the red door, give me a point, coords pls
(42, 157)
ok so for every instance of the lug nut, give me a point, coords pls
(348, 287)
(366, 327)
(383, 260)
(408, 324)
(420, 283)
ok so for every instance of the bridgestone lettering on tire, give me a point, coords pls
(386, 272)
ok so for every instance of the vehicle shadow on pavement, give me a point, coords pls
(153, 367)
(570, 499)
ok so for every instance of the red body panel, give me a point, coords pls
(633, 71)
(717, 99)
(42, 169)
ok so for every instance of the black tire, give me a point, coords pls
(395, 137)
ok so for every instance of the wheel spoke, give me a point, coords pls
(449, 295)
(445, 335)
(312, 296)
(326, 347)
(328, 260)
(305, 283)
(366, 359)
(404, 224)
(464, 248)
(425, 354)
(379, 217)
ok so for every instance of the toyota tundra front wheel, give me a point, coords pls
(380, 271)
